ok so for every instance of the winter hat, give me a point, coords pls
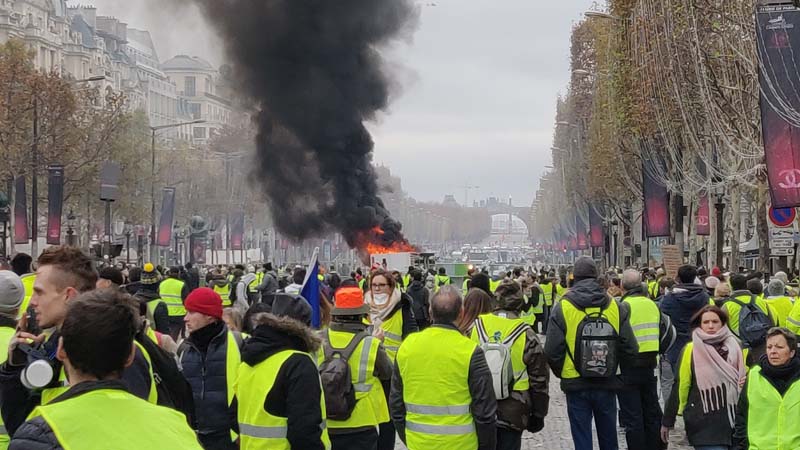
(12, 292)
(782, 276)
(292, 306)
(716, 272)
(349, 301)
(712, 282)
(584, 268)
(204, 301)
(149, 274)
(111, 274)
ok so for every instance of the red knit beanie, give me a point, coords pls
(204, 301)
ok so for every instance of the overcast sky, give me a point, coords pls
(480, 85)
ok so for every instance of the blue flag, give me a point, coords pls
(310, 290)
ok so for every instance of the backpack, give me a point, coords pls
(337, 384)
(173, 389)
(498, 357)
(596, 343)
(668, 334)
(753, 323)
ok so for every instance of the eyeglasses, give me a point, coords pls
(379, 285)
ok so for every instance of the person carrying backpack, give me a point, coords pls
(588, 335)
(356, 374)
(750, 317)
(210, 359)
(518, 365)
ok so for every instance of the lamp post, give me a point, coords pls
(128, 232)
(719, 194)
(4, 216)
(71, 228)
(153, 131)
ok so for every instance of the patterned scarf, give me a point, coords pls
(718, 379)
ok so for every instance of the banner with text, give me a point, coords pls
(656, 203)
(21, 235)
(167, 217)
(55, 203)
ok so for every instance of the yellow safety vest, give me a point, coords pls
(6, 334)
(548, 293)
(371, 408)
(465, 286)
(252, 287)
(572, 318)
(782, 305)
(434, 367)
(493, 285)
(258, 429)
(27, 282)
(685, 375)
(497, 329)
(652, 288)
(170, 291)
(765, 405)
(406, 280)
(440, 280)
(645, 320)
(393, 333)
(224, 291)
(151, 310)
(98, 420)
(733, 308)
(793, 320)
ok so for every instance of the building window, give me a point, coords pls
(194, 110)
(189, 88)
(199, 133)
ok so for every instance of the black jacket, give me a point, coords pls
(404, 306)
(296, 393)
(160, 314)
(680, 305)
(269, 284)
(419, 300)
(18, 401)
(583, 294)
(483, 406)
(203, 356)
(781, 378)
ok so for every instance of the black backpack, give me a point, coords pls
(596, 346)
(173, 389)
(337, 384)
(753, 323)
(232, 291)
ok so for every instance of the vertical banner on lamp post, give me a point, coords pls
(703, 219)
(164, 236)
(580, 233)
(778, 41)
(656, 204)
(55, 203)
(237, 230)
(596, 235)
(21, 235)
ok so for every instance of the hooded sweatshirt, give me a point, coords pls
(681, 305)
(587, 293)
(296, 392)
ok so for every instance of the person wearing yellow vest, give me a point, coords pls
(407, 277)
(221, 285)
(12, 292)
(778, 300)
(441, 279)
(98, 412)
(155, 307)
(527, 404)
(640, 412)
(279, 391)
(465, 285)
(370, 372)
(709, 376)
(549, 287)
(21, 265)
(442, 396)
(588, 378)
(741, 294)
(210, 360)
(63, 273)
(766, 417)
(173, 291)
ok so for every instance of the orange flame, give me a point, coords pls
(370, 243)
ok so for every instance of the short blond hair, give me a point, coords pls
(722, 290)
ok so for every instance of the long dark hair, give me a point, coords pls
(697, 319)
(476, 302)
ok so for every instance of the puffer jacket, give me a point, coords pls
(206, 371)
(681, 305)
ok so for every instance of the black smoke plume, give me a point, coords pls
(315, 71)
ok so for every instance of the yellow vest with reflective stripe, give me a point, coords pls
(652, 288)
(645, 319)
(733, 308)
(224, 291)
(434, 367)
(393, 333)
(465, 286)
(548, 293)
(151, 310)
(258, 429)
(371, 408)
(256, 283)
(111, 418)
(572, 318)
(6, 334)
(498, 328)
(493, 285)
(793, 321)
(27, 282)
(685, 374)
(782, 305)
(772, 419)
(170, 291)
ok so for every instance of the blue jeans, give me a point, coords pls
(581, 407)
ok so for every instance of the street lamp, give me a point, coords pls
(600, 15)
(153, 179)
(719, 205)
(71, 228)
(4, 216)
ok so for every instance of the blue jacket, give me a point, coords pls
(680, 305)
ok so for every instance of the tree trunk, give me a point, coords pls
(736, 228)
(762, 228)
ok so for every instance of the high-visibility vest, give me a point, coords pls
(6, 334)
(499, 328)
(465, 286)
(572, 318)
(252, 287)
(439, 281)
(493, 285)
(27, 282)
(652, 289)
(685, 374)
(361, 283)
(434, 367)
(224, 291)
(371, 408)
(113, 417)
(733, 308)
(151, 310)
(406, 280)
(764, 404)
(782, 305)
(258, 429)
(793, 320)
(170, 291)
(393, 333)
(548, 293)
(645, 320)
